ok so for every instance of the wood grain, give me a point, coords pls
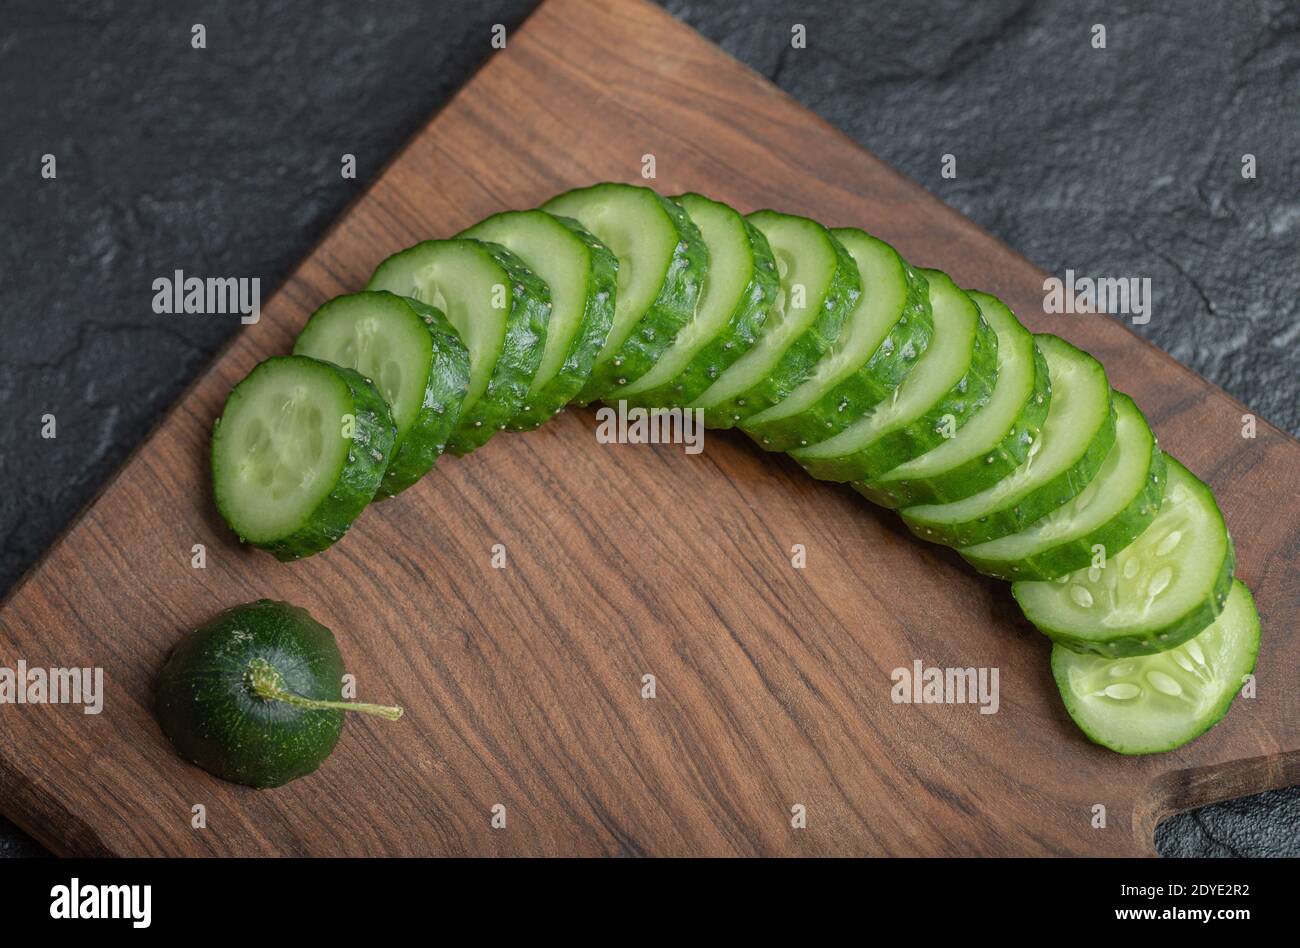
(523, 685)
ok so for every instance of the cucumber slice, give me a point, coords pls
(993, 444)
(886, 333)
(1079, 430)
(499, 308)
(1111, 512)
(950, 383)
(412, 355)
(1157, 592)
(298, 452)
(819, 288)
(582, 274)
(1154, 703)
(662, 263)
(738, 294)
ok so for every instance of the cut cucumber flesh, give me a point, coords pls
(739, 291)
(1078, 431)
(413, 357)
(1110, 513)
(888, 330)
(819, 287)
(993, 443)
(298, 452)
(946, 388)
(499, 308)
(1157, 592)
(1153, 703)
(582, 275)
(662, 264)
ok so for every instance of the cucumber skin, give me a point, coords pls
(1150, 641)
(373, 431)
(439, 413)
(672, 309)
(1114, 535)
(800, 358)
(735, 339)
(923, 434)
(867, 386)
(597, 319)
(1060, 674)
(507, 390)
(978, 473)
(206, 711)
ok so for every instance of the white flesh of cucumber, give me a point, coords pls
(1152, 703)
(280, 447)
(387, 345)
(459, 278)
(1150, 584)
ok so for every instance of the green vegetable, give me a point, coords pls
(819, 288)
(583, 276)
(1156, 593)
(662, 266)
(412, 355)
(995, 442)
(1105, 517)
(1075, 438)
(500, 309)
(739, 290)
(927, 398)
(297, 454)
(254, 695)
(888, 330)
(949, 385)
(1153, 703)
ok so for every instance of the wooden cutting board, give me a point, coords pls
(523, 685)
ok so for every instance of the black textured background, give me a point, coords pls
(225, 161)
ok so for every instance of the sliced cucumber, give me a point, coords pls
(993, 443)
(500, 309)
(819, 288)
(582, 274)
(662, 263)
(882, 339)
(949, 385)
(298, 452)
(1107, 515)
(738, 294)
(412, 355)
(1157, 592)
(1153, 703)
(1079, 430)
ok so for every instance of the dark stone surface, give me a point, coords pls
(224, 161)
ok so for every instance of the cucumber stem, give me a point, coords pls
(269, 685)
